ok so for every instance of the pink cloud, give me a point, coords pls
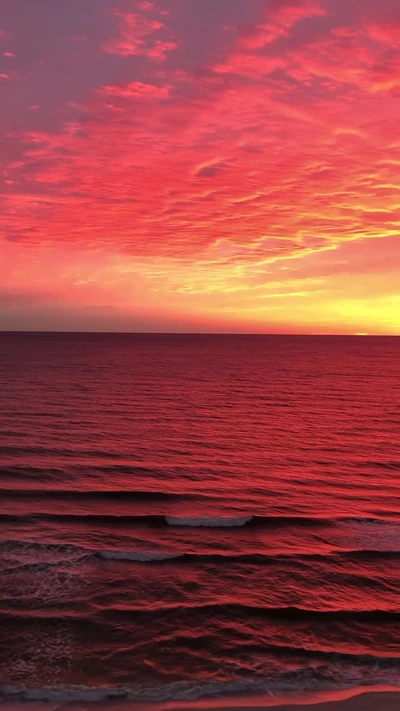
(139, 36)
(136, 89)
(281, 16)
(287, 12)
(385, 33)
(280, 148)
(363, 57)
(346, 58)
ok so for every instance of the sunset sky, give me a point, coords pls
(200, 165)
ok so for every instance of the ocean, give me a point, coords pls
(188, 516)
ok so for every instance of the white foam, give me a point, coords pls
(141, 556)
(68, 693)
(373, 535)
(55, 555)
(181, 691)
(212, 522)
(17, 554)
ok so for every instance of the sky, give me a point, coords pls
(200, 165)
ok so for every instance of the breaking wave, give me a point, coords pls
(137, 556)
(211, 522)
(202, 521)
(304, 680)
(32, 553)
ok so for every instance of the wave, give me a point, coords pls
(248, 558)
(370, 519)
(138, 556)
(19, 450)
(233, 610)
(211, 522)
(251, 558)
(201, 521)
(220, 611)
(255, 559)
(25, 553)
(115, 519)
(31, 472)
(108, 494)
(303, 680)
(59, 473)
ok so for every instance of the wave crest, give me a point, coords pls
(209, 521)
(140, 556)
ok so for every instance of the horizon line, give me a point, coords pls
(198, 333)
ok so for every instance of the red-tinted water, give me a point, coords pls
(195, 515)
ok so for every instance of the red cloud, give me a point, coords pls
(281, 16)
(136, 89)
(387, 33)
(262, 156)
(139, 36)
(288, 12)
(365, 56)
(347, 58)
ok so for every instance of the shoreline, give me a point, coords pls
(373, 698)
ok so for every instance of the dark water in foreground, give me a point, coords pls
(193, 515)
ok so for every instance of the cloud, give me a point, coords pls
(345, 57)
(139, 35)
(209, 170)
(136, 89)
(288, 12)
(279, 147)
(386, 33)
(281, 15)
